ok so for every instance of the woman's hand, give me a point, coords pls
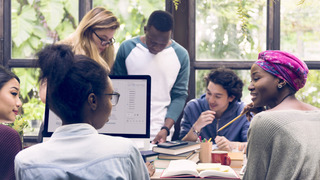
(250, 109)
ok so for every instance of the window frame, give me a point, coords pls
(184, 16)
(6, 40)
(188, 9)
(184, 34)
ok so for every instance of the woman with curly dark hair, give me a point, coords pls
(221, 103)
(80, 92)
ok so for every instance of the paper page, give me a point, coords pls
(214, 147)
(208, 166)
(179, 167)
(224, 171)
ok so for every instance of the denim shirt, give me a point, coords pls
(77, 151)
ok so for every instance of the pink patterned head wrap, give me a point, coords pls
(285, 66)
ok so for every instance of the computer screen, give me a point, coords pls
(129, 118)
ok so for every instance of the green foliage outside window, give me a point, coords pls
(37, 23)
(230, 29)
(132, 14)
(233, 29)
(34, 24)
(236, 30)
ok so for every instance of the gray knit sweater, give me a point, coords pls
(284, 145)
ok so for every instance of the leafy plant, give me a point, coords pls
(19, 125)
(32, 107)
(37, 23)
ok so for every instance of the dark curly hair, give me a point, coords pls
(70, 79)
(161, 20)
(228, 79)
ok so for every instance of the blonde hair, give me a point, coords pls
(82, 39)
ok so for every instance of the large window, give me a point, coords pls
(229, 30)
(300, 28)
(215, 33)
(33, 24)
(232, 33)
(37, 23)
(132, 14)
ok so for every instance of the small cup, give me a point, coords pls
(220, 157)
(205, 152)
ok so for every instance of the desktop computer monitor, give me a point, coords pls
(130, 118)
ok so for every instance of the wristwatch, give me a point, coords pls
(195, 131)
(167, 129)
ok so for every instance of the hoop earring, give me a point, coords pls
(279, 86)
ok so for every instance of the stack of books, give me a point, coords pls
(149, 155)
(186, 150)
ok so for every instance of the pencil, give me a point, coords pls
(232, 121)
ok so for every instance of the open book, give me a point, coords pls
(187, 168)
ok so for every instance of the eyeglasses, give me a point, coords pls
(114, 98)
(104, 42)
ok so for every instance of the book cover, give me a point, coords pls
(194, 157)
(177, 149)
(185, 155)
(187, 168)
(149, 155)
(236, 159)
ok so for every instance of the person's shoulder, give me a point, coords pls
(8, 131)
(128, 45)
(118, 141)
(273, 119)
(29, 154)
(260, 117)
(197, 102)
(178, 48)
(177, 45)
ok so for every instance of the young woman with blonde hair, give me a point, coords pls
(94, 36)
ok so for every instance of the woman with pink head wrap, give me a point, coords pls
(285, 66)
(283, 141)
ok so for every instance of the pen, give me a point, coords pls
(209, 139)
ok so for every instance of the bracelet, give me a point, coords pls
(195, 131)
(167, 129)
